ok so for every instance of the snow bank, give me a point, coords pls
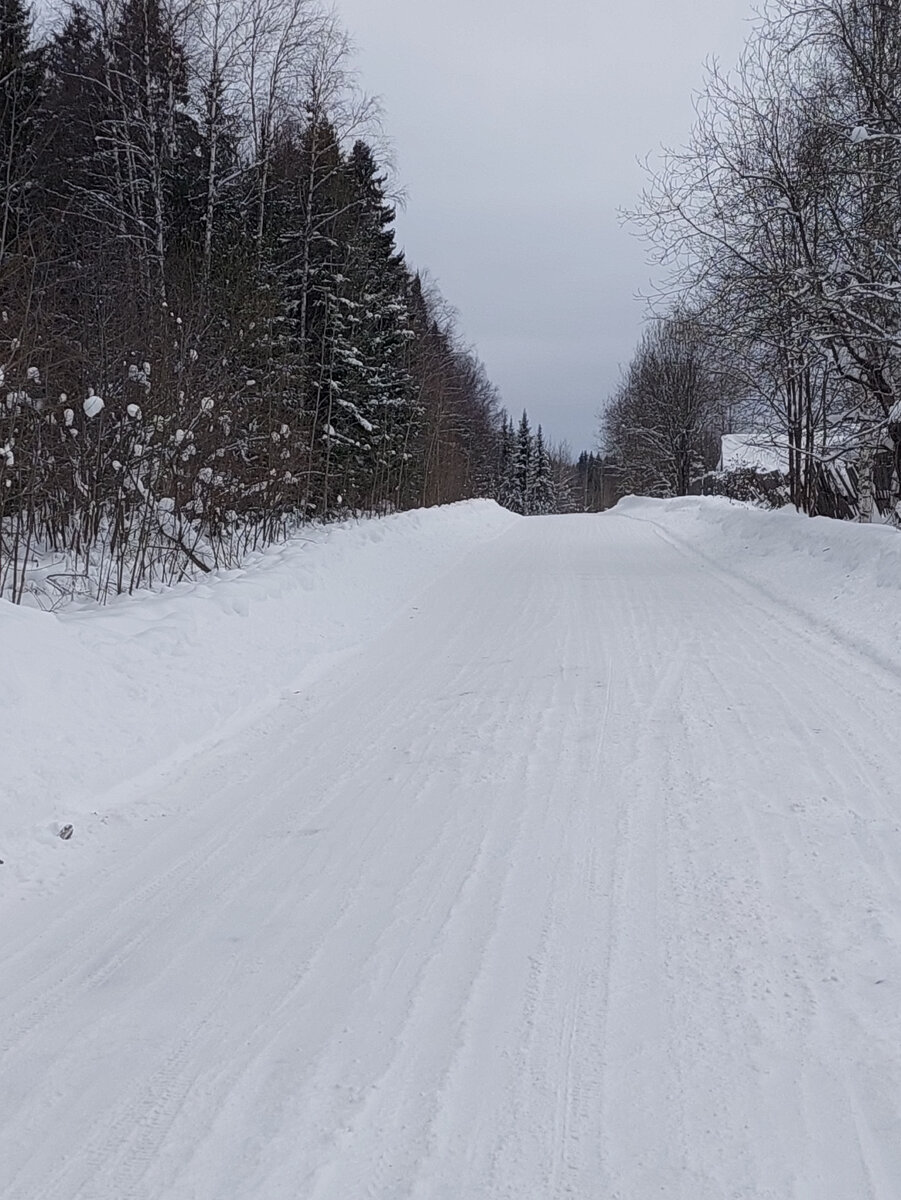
(97, 696)
(843, 577)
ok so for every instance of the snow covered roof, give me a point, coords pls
(760, 452)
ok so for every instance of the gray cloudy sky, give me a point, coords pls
(516, 126)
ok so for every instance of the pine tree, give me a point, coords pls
(378, 390)
(524, 467)
(294, 230)
(502, 463)
(544, 491)
(21, 80)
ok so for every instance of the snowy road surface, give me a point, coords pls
(582, 880)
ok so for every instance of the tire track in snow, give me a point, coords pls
(313, 1089)
(440, 993)
(643, 1141)
(777, 761)
(473, 924)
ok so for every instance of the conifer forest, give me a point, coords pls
(208, 333)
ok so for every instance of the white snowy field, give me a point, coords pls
(463, 857)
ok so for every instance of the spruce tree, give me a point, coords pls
(381, 391)
(544, 492)
(504, 457)
(21, 78)
(524, 467)
(357, 336)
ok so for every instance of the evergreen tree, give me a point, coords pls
(502, 471)
(21, 79)
(217, 335)
(374, 391)
(523, 471)
(155, 142)
(544, 490)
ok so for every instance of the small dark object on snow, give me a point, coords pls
(66, 832)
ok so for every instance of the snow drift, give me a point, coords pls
(842, 577)
(96, 702)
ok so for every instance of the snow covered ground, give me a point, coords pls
(97, 706)
(463, 856)
(841, 577)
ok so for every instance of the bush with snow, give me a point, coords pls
(93, 406)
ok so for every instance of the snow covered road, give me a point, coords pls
(581, 880)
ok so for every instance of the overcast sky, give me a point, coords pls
(516, 127)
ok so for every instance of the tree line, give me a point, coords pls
(779, 230)
(207, 331)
